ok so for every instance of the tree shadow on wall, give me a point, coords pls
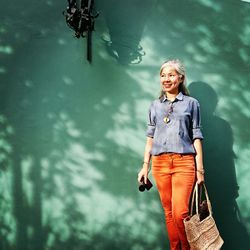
(220, 169)
(50, 112)
(52, 108)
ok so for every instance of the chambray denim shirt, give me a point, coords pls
(176, 136)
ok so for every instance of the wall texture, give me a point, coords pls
(72, 134)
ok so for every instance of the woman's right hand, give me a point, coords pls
(143, 173)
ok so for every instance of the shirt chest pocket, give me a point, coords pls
(184, 119)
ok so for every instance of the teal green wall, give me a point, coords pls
(72, 133)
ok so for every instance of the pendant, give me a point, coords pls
(166, 119)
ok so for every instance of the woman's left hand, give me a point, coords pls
(200, 177)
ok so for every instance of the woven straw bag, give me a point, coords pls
(202, 234)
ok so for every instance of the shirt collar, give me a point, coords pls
(179, 97)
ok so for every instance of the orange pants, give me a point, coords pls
(175, 178)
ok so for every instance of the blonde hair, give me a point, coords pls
(180, 69)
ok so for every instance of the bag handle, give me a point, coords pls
(195, 196)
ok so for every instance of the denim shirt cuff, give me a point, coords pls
(150, 131)
(197, 134)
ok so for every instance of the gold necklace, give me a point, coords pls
(166, 119)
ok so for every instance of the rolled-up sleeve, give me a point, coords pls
(196, 121)
(151, 121)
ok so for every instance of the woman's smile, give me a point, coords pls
(170, 79)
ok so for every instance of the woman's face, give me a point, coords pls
(170, 80)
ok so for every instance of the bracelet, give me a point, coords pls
(144, 162)
(201, 171)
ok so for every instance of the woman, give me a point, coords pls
(174, 142)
